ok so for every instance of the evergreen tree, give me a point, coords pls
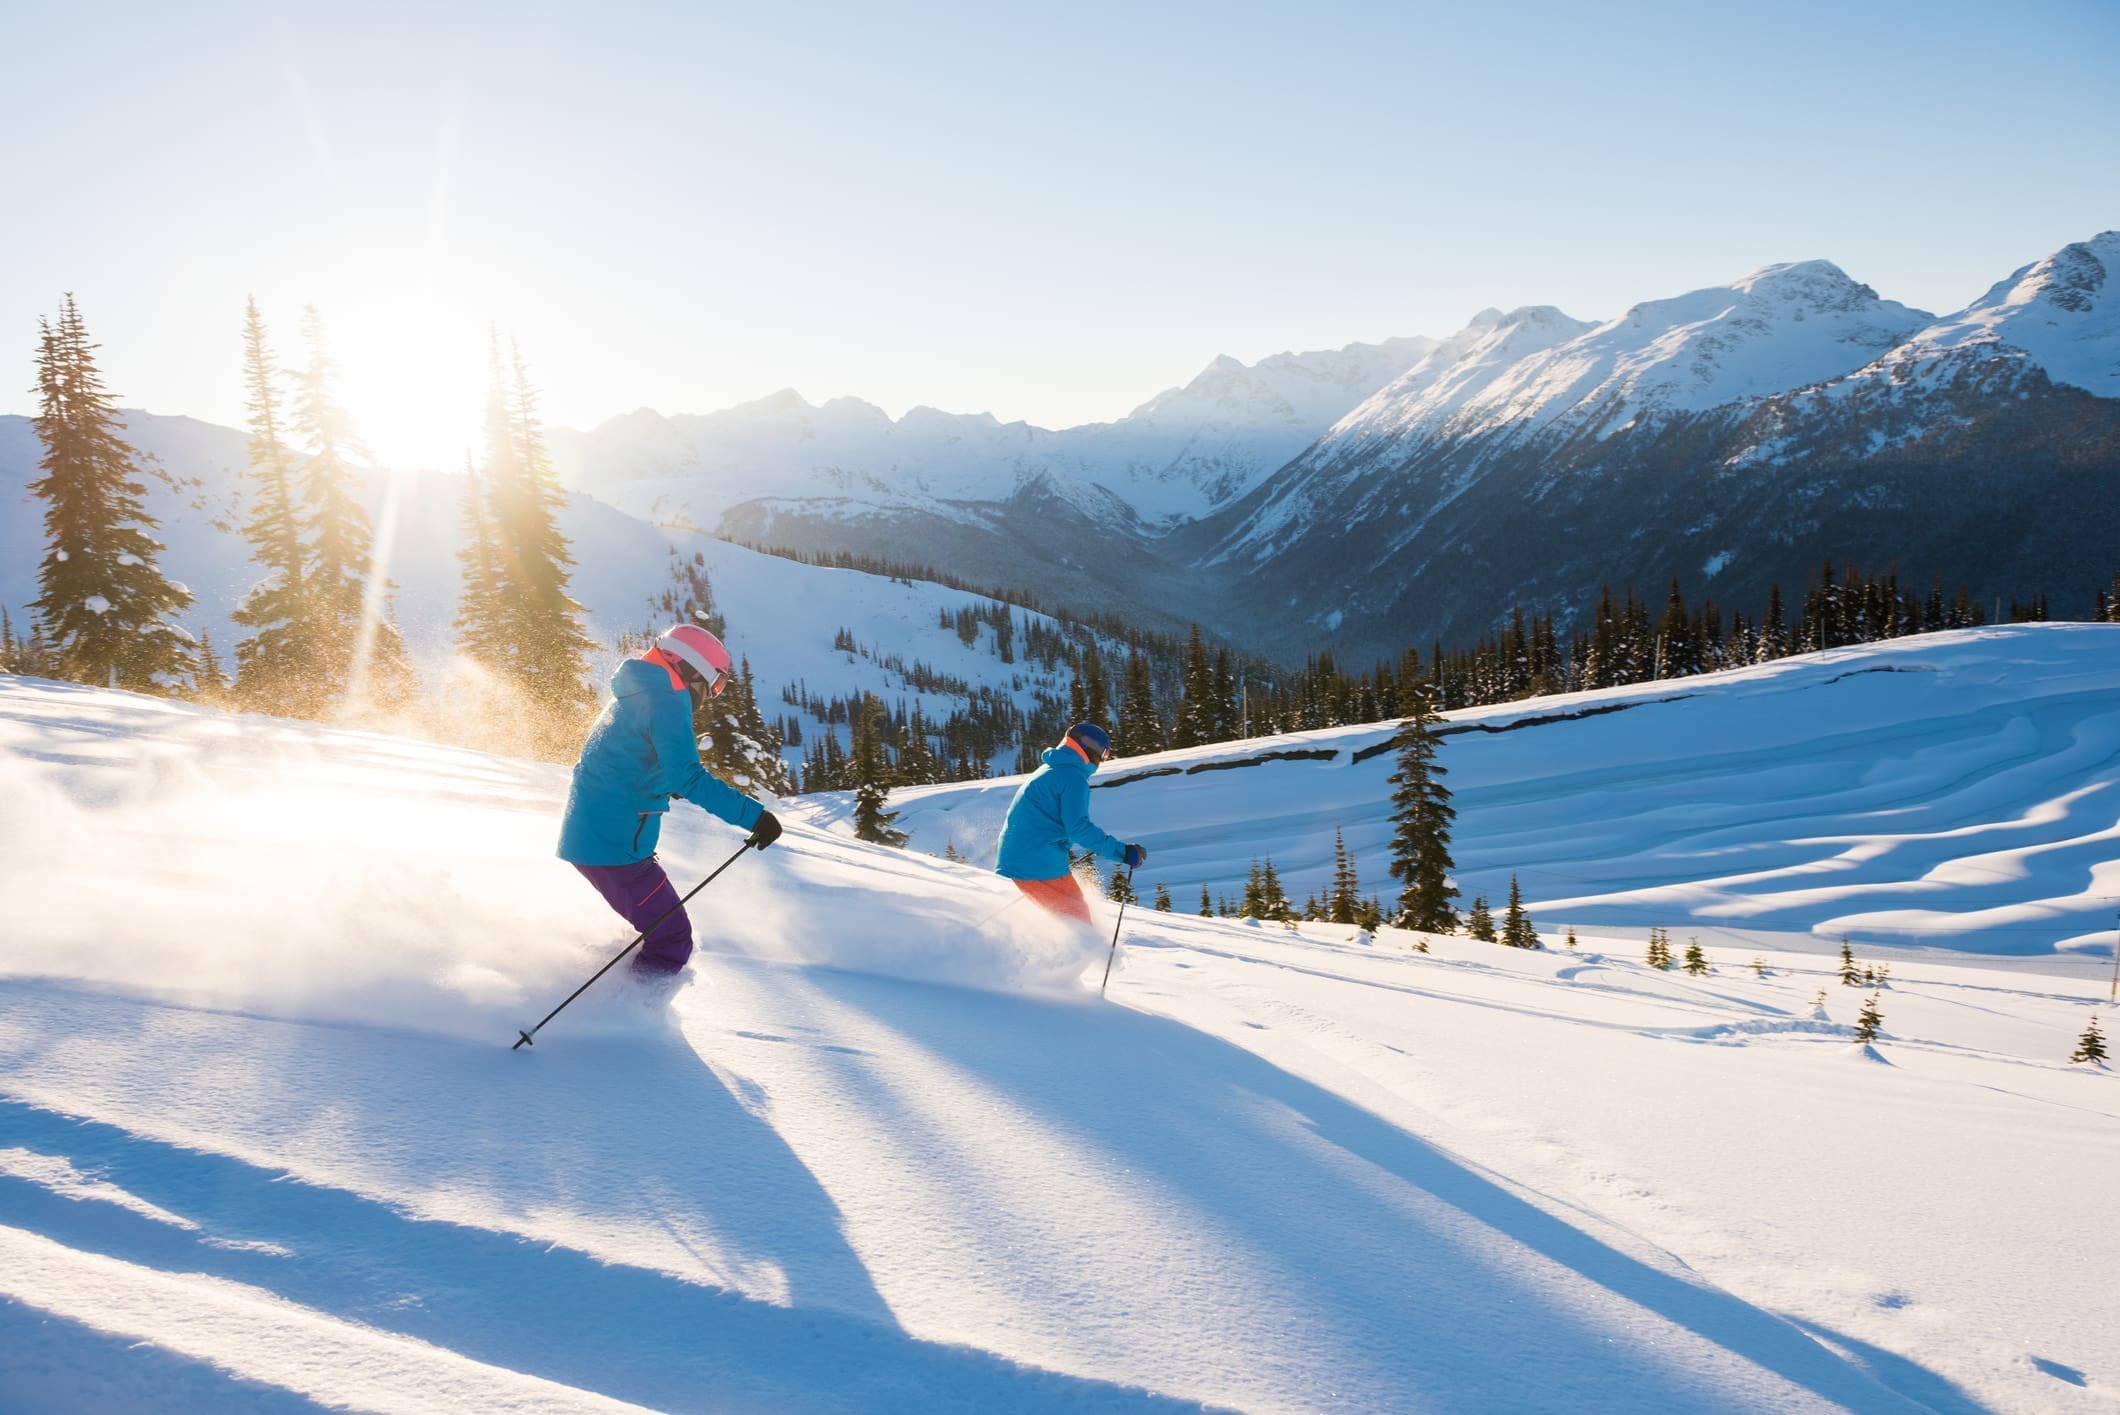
(276, 667)
(1196, 725)
(1571, 936)
(541, 650)
(1254, 905)
(103, 607)
(209, 683)
(2091, 1046)
(1696, 960)
(355, 658)
(480, 618)
(1869, 1022)
(1849, 975)
(1517, 929)
(1346, 897)
(1422, 814)
(1091, 701)
(1480, 922)
(1162, 898)
(1659, 948)
(1273, 900)
(1140, 729)
(872, 777)
(1207, 909)
(1120, 887)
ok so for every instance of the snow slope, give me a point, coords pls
(1957, 790)
(263, 1145)
(783, 615)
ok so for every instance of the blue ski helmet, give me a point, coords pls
(1094, 739)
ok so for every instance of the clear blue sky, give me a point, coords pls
(1045, 212)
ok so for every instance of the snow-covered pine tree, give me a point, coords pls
(541, 649)
(1345, 901)
(1870, 1021)
(2091, 1045)
(1273, 899)
(1696, 959)
(1849, 974)
(872, 777)
(1659, 948)
(1422, 815)
(209, 683)
(356, 659)
(1196, 709)
(276, 662)
(1479, 923)
(103, 607)
(1090, 699)
(479, 613)
(1162, 898)
(1140, 729)
(1517, 929)
(1120, 887)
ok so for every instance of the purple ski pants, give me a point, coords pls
(642, 893)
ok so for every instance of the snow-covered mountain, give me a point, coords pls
(1738, 434)
(1172, 459)
(2060, 316)
(264, 1145)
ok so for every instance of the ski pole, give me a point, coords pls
(1115, 937)
(526, 1036)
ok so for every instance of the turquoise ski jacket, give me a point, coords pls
(638, 756)
(1050, 812)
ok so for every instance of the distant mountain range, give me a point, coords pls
(1380, 495)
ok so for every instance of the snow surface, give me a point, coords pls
(1957, 790)
(781, 614)
(263, 1144)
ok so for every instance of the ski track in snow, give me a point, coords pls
(263, 1144)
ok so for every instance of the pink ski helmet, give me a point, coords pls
(698, 650)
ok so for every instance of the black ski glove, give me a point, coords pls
(765, 832)
(1135, 857)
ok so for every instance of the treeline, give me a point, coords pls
(320, 639)
(1622, 643)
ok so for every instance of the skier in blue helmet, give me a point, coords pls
(1050, 813)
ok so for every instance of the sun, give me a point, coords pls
(413, 380)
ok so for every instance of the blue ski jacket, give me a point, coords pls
(1051, 810)
(639, 755)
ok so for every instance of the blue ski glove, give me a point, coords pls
(1135, 857)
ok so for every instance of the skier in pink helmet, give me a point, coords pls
(640, 754)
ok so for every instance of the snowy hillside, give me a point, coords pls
(1957, 790)
(1174, 458)
(784, 616)
(263, 1144)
